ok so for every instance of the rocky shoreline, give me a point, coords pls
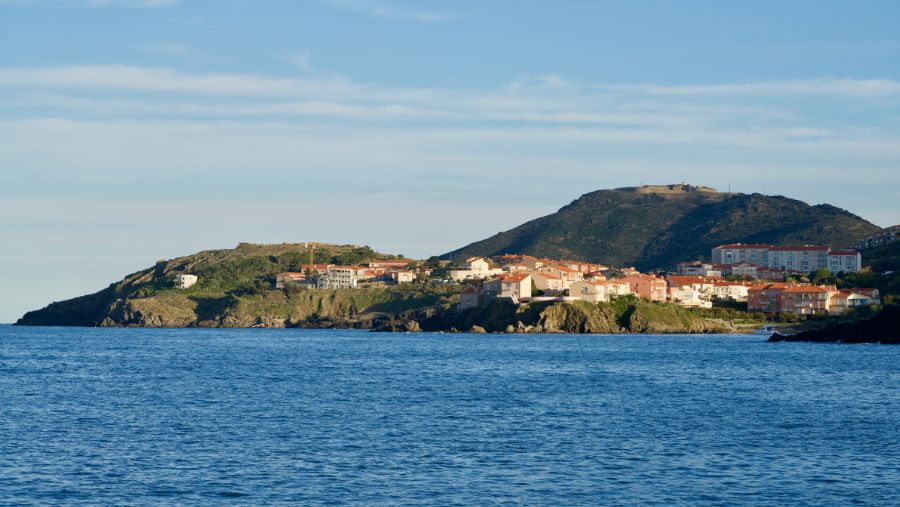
(634, 316)
(883, 328)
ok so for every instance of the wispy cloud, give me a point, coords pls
(97, 3)
(300, 59)
(156, 79)
(385, 9)
(819, 87)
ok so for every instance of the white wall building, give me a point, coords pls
(338, 277)
(185, 281)
(847, 261)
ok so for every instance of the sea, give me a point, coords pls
(332, 417)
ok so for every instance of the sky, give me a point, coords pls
(138, 130)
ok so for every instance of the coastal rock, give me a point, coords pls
(883, 328)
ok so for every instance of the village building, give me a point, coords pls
(339, 277)
(804, 300)
(844, 261)
(549, 283)
(286, 278)
(592, 292)
(400, 276)
(739, 270)
(698, 268)
(883, 237)
(694, 291)
(390, 264)
(738, 252)
(183, 281)
(566, 274)
(474, 268)
(802, 258)
(647, 287)
(515, 287)
(735, 291)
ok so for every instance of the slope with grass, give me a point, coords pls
(235, 290)
(655, 229)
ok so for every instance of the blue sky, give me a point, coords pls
(136, 130)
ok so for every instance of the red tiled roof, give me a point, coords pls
(804, 289)
(740, 245)
(549, 275)
(799, 248)
(515, 278)
(687, 280)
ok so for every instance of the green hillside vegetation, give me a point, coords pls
(235, 288)
(650, 230)
(883, 258)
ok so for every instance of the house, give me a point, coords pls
(883, 237)
(764, 298)
(735, 291)
(739, 270)
(515, 287)
(844, 261)
(690, 290)
(849, 299)
(804, 300)
(391, 264)
(400, 276)
(183, 281)
(592, 292)
(568, 275)
(698, 268)
(474, 268)
(550, 283)
(286, 278)
(647, 287)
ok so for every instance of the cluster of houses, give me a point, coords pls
(334, 276)
(883, 237)
(523, 278)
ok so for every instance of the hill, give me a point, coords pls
(235, 290)
(656, 226)
(883, 258)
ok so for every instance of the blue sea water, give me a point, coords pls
(249, 417)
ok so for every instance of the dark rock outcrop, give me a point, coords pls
(882, 328)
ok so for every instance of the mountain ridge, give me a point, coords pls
(651, 229)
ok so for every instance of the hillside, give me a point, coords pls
(655, 227)
(235, 290)
(883, 258)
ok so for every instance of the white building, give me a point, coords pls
(185, 281)
(338, 277)
(847, 261)
(801, 258)
(592, 292)
(739, 252)
(474, 268)
(548, 282)
(804, 258)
